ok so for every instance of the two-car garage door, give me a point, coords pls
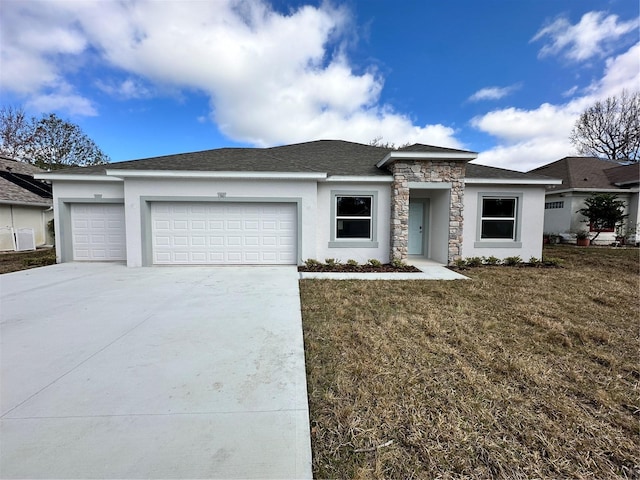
(223, 233)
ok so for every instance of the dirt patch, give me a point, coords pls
(16, 261)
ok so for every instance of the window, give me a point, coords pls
(353, 217)
(498, 218)
(550, 205)
(601, 227)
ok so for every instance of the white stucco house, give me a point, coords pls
(283, 205)
(581, 177)
(25, 206)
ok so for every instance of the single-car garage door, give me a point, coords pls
(223, 233)
(98, 232)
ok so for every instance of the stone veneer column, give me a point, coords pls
(405, 171)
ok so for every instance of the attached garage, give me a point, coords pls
(222, 233)
(98, 232)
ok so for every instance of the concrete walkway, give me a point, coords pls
(184, 372)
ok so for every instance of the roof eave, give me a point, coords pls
(359, 178)
(121, 174)
(27, 204)
(72, 177)
(597, 190)
(512, 181)
(400, 155)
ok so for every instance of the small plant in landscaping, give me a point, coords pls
(352, 263)
(552, 262)
(332, 262)
(492, 260)
(311, 263)
(512, 261)
(534, 262)
(474, 261)
(460, 262)
(397, 263)
(374, 263)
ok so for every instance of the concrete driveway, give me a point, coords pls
(177, 372)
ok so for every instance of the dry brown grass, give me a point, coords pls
(518, 373)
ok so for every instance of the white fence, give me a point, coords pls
(21, 239)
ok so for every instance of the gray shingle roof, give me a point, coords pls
(15, 194)
(334, 157)
(587, 172)
(494, 173)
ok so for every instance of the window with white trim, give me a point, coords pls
(353, 217)
(498, 220)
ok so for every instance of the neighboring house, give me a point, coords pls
(25, 203)
(283, 205)
(582, 177)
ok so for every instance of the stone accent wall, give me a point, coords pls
(405, 171)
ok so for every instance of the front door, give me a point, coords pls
(416, 228)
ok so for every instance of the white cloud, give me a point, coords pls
(594, 35)
(493, 93)
(73, 104)
(271, 78)
(530, 138)
(125, 89)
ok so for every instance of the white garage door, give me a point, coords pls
(223, 233)
(98, 232)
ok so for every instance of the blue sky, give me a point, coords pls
(505, 78)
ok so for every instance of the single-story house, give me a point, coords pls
(283, 205)
(25, 206)
(582, 177)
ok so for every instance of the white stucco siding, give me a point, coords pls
(324, 219)
(557, 219)
(529, 222)
(140, 192)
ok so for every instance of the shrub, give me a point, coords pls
(534, 261)
(552, 262)
(474, 261)
(460, 262)
(374, 263)
(332, 262)
(512, 261)
(397, 263)
(492, 260)
(311, 263)
(352, 263)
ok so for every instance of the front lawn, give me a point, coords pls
(518, 373)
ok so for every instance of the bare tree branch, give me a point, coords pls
(610, 128)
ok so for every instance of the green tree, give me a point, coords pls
(49, 142)
(610, 129)
(604, 212)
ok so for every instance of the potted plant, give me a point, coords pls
(582, 238)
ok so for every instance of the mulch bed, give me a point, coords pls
(345, 268)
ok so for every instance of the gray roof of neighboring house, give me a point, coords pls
(589, 172)
(334, 157)
(17, 185)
